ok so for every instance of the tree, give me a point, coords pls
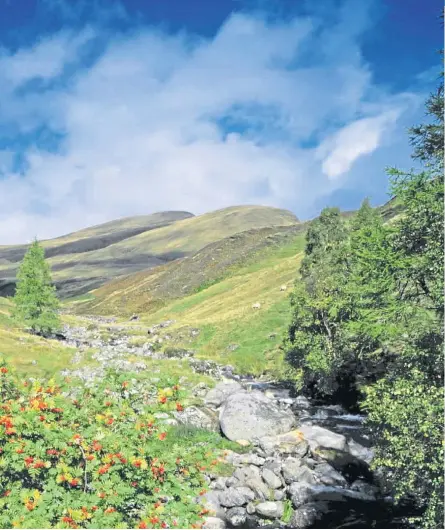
(36, 303)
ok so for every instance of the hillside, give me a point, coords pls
(86, 259)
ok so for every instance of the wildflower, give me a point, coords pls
(74, 482)
(163, 399)
(3, 370)
(162, 436)
(110, 421)
(142, 524)
(179, 407)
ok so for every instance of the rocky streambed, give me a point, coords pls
(302, 465)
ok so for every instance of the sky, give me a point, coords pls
(114, 108)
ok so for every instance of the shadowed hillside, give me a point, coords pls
(84, 260)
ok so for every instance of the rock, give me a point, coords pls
(304, 474)
(270, 509)
(236, 517)
(219, 483)
(232, 347)
(243, 443)
(217, 395)
(249, 415)
(335, 494)
(306, 516)
(274, 464)
(134, 318)
(290, 469)
(251, 459)
(288, 443)
(201, 418)
(279, 495)
(213, 523)
(300, 493)
(327, 475)
(260, 489)
(245, 473)
(211, 501)
(271, 479)
(364, 487)
(302, 401)
(178, 353)
(320, 437)
(365, 454)
(235, 497)
(250, 508)
(256, 305)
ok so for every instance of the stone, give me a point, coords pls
(270, 509)
(236, 517)
(304, 474)
(201, 418)
(300, 493)
(274, 464)
(306, 516)
(271, 479)
(235, 497)
(260, 489)
(210, 500)
(217, 395)
(252, 459)
(291, 443)
(279, 495)
(365, 454)
(327, 475)
(368, 489)
(248, 415)
(250, 508)
(214, 523)
(320, 437)
(290, 469)
(219, 483)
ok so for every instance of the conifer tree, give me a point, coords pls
(36, 303)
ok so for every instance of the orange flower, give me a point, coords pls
(101, 495)
(179, 407)
(74, 482)
(162, 436)
(104, 469)
(154, 520)
(96, 446)
(3, 370)
(110, 421)
(7, 493)
(30, 506)
(125, 384)
(90, 457)
(29, 460)
(163, 399)
(110, 510)
(20, 450)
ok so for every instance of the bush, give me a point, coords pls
(97, 459)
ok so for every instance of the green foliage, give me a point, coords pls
(98, 459)
(35, 299)
(367, 316)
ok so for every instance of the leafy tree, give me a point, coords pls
(35, 299)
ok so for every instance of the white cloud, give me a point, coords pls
(143, 128)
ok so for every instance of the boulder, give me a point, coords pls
(211, 501)
(300, 493)
(365, 454)
(271, 479)
(306, 516)
(270, 509)
(320, 437)
(291, 443)
(290, 469)
(201, 418)
(235, 497)
(251, 415)
(236, 517)
(327, 475)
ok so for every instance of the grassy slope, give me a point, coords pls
(78, 269)
(222, 308)
(20, 348)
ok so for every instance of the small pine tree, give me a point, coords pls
(36, 303)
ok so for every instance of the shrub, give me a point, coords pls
(96, 458)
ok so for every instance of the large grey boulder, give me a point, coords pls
(221, 392)
(327, 475)
(289, 443)
(270, 509)
(201, 418)
(365, 454)
(271, 479)
(290, 470)
(252, 415)
(320, 437)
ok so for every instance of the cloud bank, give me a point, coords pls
(96, 126)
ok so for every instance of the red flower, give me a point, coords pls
(42, 418)
(104, 469)
(164, 524)
(96, 446)
(154, 520)
(29, 460)
(101, 495)
(7, 493)
(162, 436)
(39, 464)
(179, 407)
(163, 399)
(110, 510)
(20, 450)
(108, 403)
(3, 370)
(93, 508)
(74, 482)
(90, 457)
(110, 421)
(142, 524)
(134, 484)
(52, 452)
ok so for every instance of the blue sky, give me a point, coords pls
(110, 109)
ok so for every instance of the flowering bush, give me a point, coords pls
(96, 458)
